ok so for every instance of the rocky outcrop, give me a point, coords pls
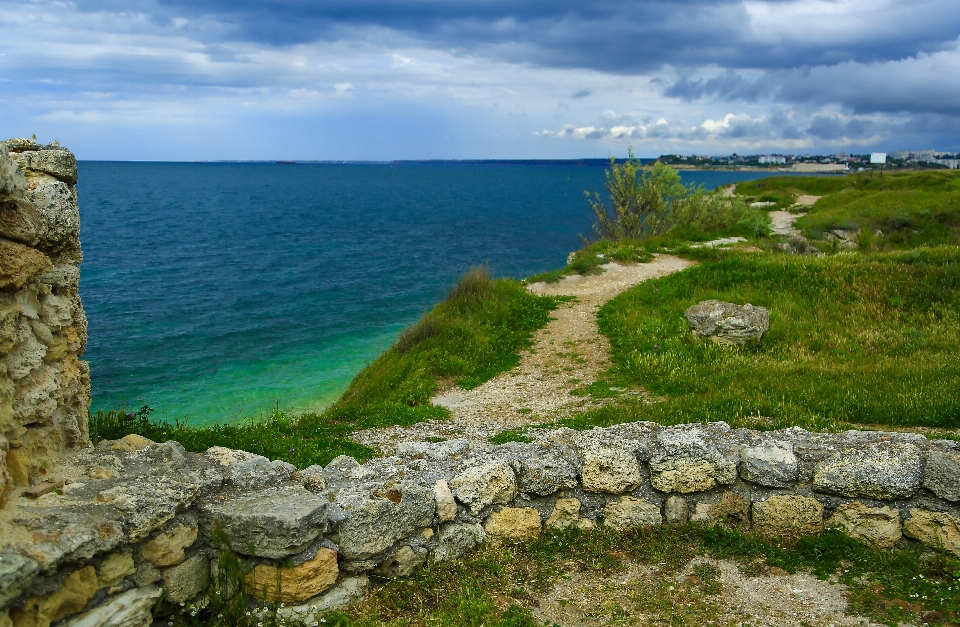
(727, 323)
(133, 515)
(44, 387)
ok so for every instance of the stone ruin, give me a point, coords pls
(98, 538)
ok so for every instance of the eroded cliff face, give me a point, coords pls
(44, 387)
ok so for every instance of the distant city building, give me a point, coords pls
(819, 167)
(776, 159)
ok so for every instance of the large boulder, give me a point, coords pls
(727, 323)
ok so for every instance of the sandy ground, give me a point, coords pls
(568, 353)
(771, 600)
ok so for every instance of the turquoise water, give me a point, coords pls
(218, 291)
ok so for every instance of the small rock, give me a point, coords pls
(310, 613)
(492, 483)
(312, 478)
(936, 529)
(732, 509)
(885, 471)
(608, 469)
(771, 464)
(566, 513)
(185, 581)
(788, 517)
(514, 523)
(115, 567)
(294, 584)
(675, 510)
(403, 563)
(456, 539)
(131, 443)
(446, 504)
(247, 470)
(167, 549)
(877, 526)
(129, 609)
(631, 512)
(942, 475)
(727, 323)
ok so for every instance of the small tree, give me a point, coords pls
(641, 200)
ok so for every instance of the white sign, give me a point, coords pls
(878, 157)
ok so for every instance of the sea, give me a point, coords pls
(221, 291)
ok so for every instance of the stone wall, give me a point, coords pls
(44, 387)
(134, 520)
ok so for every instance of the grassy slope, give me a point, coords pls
(861, 339)
(911, 209)
(476, 333)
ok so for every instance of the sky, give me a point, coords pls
(424, 79)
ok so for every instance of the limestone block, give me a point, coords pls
(19, 221)
(685, 474)
(942, 475)
(17, 572)
(631, 512)
(445, 503)
(610, 470)
(62, 276)
(514, 523)
(770, 464)
(17, 467)
(491, 483)
(788, 517)
(372, 524)
(248, 470)
(114, 568)
(296, 584)
(312, 478)
(727, 323)
(167, 549)
(544, 474)
(876, 526)
(402, 563)
(131, 443)
(129, 609)
(12, 181)
(881, 471)
(456, 539)
(58, 163)
(566, 513)
(20, 264)
(732, 509)
(676, 510)
(311, 612)
(40, 611)
(273, 523)
(936, 529)
(185, 581)
(58, 217)
(146, 574)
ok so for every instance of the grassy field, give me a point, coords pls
(909, 209)
(868, 339)
(470, 337)
(497, 585)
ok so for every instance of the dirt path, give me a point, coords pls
(782, 223)
(567, 353)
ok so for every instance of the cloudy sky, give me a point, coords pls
(414, 79)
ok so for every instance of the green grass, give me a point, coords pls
(473, 335)
(853, 339)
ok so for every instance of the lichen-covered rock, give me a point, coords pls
(17, 572)
(58, 219)
(294, 584)
(78, 588)
(630, 512)
(566, 513)
(445, 503)
(456, 539)
(312, 478)
(373, 523)
(608, 466)
(879, 471)
(732, 509)
(788, 516)
(185, 581)
(19, 221)
(248, 470)
(514, 523)
(403, 563)
(543, 474)
(491, 483)
(273, 523)
(727, 323)
(167, 549)
(942, 474)
(936, 529)
(676, 510)
(57, 162)
(771, 464)
(12, 181)
(685, 462)
(876, 526)
(129, 609)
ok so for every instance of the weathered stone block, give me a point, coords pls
(788, 517)
(685, 474)
(456, 539)
(114, 568)
(881, 471)
(12, 181)
(770, 464)
(311, 612)
(631, 512)
(566, 513)
(610, 470)
(402, 563)
(17, 572)
(130, 609)
(727, 323)
(876, 526)
(372, 524)
(732, 509)
(514, 523)
(492, 483)
(942, 475)
(273, 523)
(445, 503)
(20, 264)
(57, 163)
(77, 590)
(296, 584)
(248, 470)
(676, 510)
(544, 474)
(167, 549)
(936, 529)
(185, 581)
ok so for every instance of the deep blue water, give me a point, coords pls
(215, 291)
